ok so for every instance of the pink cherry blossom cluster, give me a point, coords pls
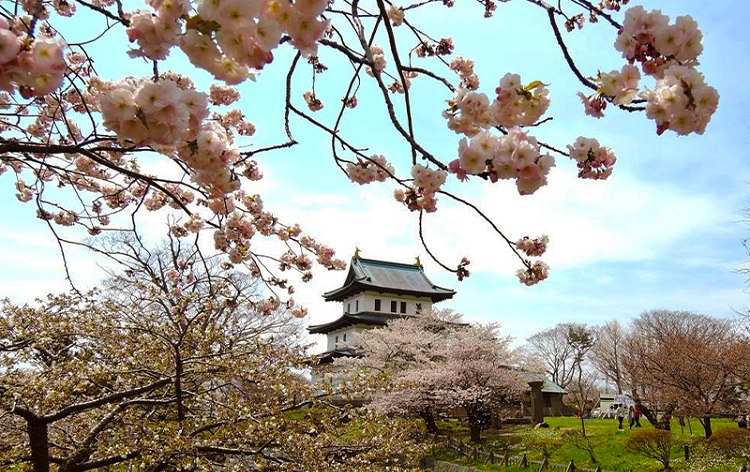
(268, 305)
(428, 179)
(619, 86)
(465, 69)
(194, 223)
(534, 274)
(25, 192)
(396, 15)
(156, 33)
(516, 105)
(461, 271)
(421, 196)
(468, 113)
(324, 254)
(234, 238)
(312, 100)
(594, 105)
(577, 21)
(681, 101)
(379, 61)
(376, 168)
(416, 199)
(231, 38)
(594, 160)
(647, 37)
(212, 156)
(533, 247)
(157, 199)
(514, 156)
(223, 94)
(299, 312)
(612, 4)
(398, 86)
(142, 111)
(298, 261)
(171, 115)
(65, 218)
(34, 66)
(234, 119)
(441, 47)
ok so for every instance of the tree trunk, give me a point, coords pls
(39, 443)
(665, 421)
(429, 421)
(651, 416)
(706, 422)
(178, 384)
(475, 428)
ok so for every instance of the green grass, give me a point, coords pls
(608, 445)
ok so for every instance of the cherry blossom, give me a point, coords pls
(376, 168)
(166, 142)
(594, 160)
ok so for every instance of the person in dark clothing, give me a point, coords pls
(741, 421)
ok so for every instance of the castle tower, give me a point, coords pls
(373, 293)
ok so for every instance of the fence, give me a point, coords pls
(489, 457)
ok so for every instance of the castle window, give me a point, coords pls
(337, 339)
(394, 306)
(344, 337)
(348, 307)
(403, 307)
(377, 304)
(356, 306)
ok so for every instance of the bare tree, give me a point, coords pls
(605, 354)
(561, 349)
(685, 360)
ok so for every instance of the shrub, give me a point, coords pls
(730, 442)
(653, 443)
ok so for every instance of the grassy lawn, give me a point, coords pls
(607, 445)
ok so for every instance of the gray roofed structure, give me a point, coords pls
(387, 277)
(366, 318)
(549, 386)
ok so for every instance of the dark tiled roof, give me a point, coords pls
(387, 277)
(366, 318)
(328, 356)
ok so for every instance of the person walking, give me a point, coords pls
(620, 413)
(631, 417)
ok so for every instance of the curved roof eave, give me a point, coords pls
(438, 295)
(343, 321)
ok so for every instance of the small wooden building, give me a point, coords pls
(552, 395)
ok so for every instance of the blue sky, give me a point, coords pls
(665, 231)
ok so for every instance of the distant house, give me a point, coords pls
(552, 395)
